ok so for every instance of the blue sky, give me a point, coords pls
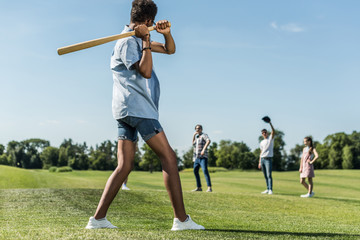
(236, 61)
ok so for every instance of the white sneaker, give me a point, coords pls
(124, 187)
(265, 192)
(312, 194)
(305, 195)
(188, 224)
(102, 223)
(197, 190)
(270, 192)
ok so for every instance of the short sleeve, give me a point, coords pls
(130, 52)
(206, 137)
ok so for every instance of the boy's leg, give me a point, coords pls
(160, 145)
(269, 173)
(204, 166)
(196, 173)
(264, 169)
(126, 154)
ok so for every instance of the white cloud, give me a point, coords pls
(80, 121)
(292, 27)
(217, 132)
(289, 27)
(49, 122)
(274, 25)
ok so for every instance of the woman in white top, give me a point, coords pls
(306, 166)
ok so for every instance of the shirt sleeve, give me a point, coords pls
(130, 52)
(206, 137)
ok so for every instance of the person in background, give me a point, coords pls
(306, 170)
(265, 159)
(124, 187)
(201, 141)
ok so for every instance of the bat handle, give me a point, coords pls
(154, 27)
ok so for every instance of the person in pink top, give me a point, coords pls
(306, 170)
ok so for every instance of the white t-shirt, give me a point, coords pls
(267, 147)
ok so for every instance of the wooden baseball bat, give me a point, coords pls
(96, 42)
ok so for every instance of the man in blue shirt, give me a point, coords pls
(135, 107)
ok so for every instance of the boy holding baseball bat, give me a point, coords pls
(135, 107)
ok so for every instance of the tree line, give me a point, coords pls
(337, 151)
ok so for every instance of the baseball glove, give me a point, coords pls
(266, 119)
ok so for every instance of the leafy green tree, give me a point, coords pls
(80, 162)
(293, 159)
(137, 158)
(230, 154)
(256, 153)
(187, 158)
(348, 157)
(212, 154)
(323, 161)
(103, 157)
(63, 157)
(355, 139)
(334, 144)
(247, 161)
(5, 160)
(149, 160)
(178, 160)
(32, 148)
(76, 155)
(49, 157)
(15, 151)
(335, 156)
(2, 149)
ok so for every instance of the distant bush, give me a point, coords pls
(210, 169)
(60, 169)
(5, 160)
(64, 169)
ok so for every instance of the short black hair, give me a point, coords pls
(143, 10)
(199, 126)
(264, 130)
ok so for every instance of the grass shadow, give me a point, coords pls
(297, 234)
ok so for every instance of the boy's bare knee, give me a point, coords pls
(124, 168)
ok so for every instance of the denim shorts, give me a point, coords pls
(129, 127)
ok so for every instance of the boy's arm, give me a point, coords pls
(144, 66)
(272, 130)
(169, 46)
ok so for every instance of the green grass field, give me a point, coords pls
(37, 204)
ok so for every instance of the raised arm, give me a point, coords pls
(144, 66)
(193, 140)
(168, 47)
(272, 130)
